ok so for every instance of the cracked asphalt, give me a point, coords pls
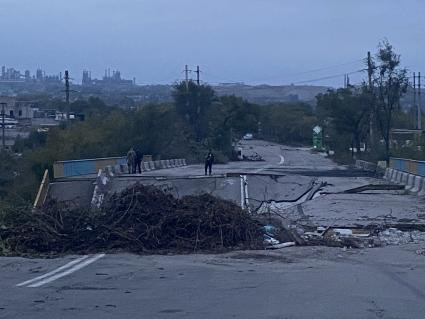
(294, 282)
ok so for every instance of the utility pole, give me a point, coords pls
(419, 103)
(3, 126)
(186, 72)
(198, 75)
(414, 94)
(372, 113)
(67, 86)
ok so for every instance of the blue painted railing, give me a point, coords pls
(409, 166)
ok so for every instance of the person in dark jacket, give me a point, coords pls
(209, 160)
(139, 159)
(131, 161)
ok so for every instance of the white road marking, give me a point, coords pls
(262, 168)
(68, 265)
(59, 273)
(282, 161)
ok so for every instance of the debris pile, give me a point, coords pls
(141, 219)
(394, 236)
(254, 157)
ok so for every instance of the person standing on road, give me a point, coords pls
(139, 159)
(131, 161)
(209, 160)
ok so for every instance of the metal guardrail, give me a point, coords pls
(88, 166)
(409, 166)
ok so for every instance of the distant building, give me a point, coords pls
(10, 75)
(18, 110)
(107, 80)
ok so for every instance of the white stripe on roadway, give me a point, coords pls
(73, 266)
(71, 263)
(282, 160)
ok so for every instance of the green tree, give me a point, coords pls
(193, 103)
(390, 83)
(347, 110)
(289, 123)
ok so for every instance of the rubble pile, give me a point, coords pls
(394, 236)
(141, 219)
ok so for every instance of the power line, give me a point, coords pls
(329, 77)
(326, 67)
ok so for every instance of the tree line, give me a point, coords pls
(198, 120)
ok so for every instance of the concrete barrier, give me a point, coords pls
(151, 165)
(157, 164)
(404, 177)
(410, 182)
(397, 177)
(417, 184)
(422, 189)
(394, 176)
(387, 172)
(163, 164)
(146, 166)
(387, 175)
(391, 174)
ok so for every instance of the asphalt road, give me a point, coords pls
(295, 282)
(298, 282)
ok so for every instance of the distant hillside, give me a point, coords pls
(264, 94)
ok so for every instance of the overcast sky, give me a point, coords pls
(255, 41)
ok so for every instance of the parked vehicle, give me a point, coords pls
(248, 136)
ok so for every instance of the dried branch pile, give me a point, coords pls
(141, 219)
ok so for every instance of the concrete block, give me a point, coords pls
(417, 184)
(410, 182)
(180, 162)
(157, 164)
(404, 177)
(422, 189)
(151, 165)
(184, 162)
(394, 176)
(163, 164)
(387, 174)
(391, 174)
(146, 166)
(397, 177)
